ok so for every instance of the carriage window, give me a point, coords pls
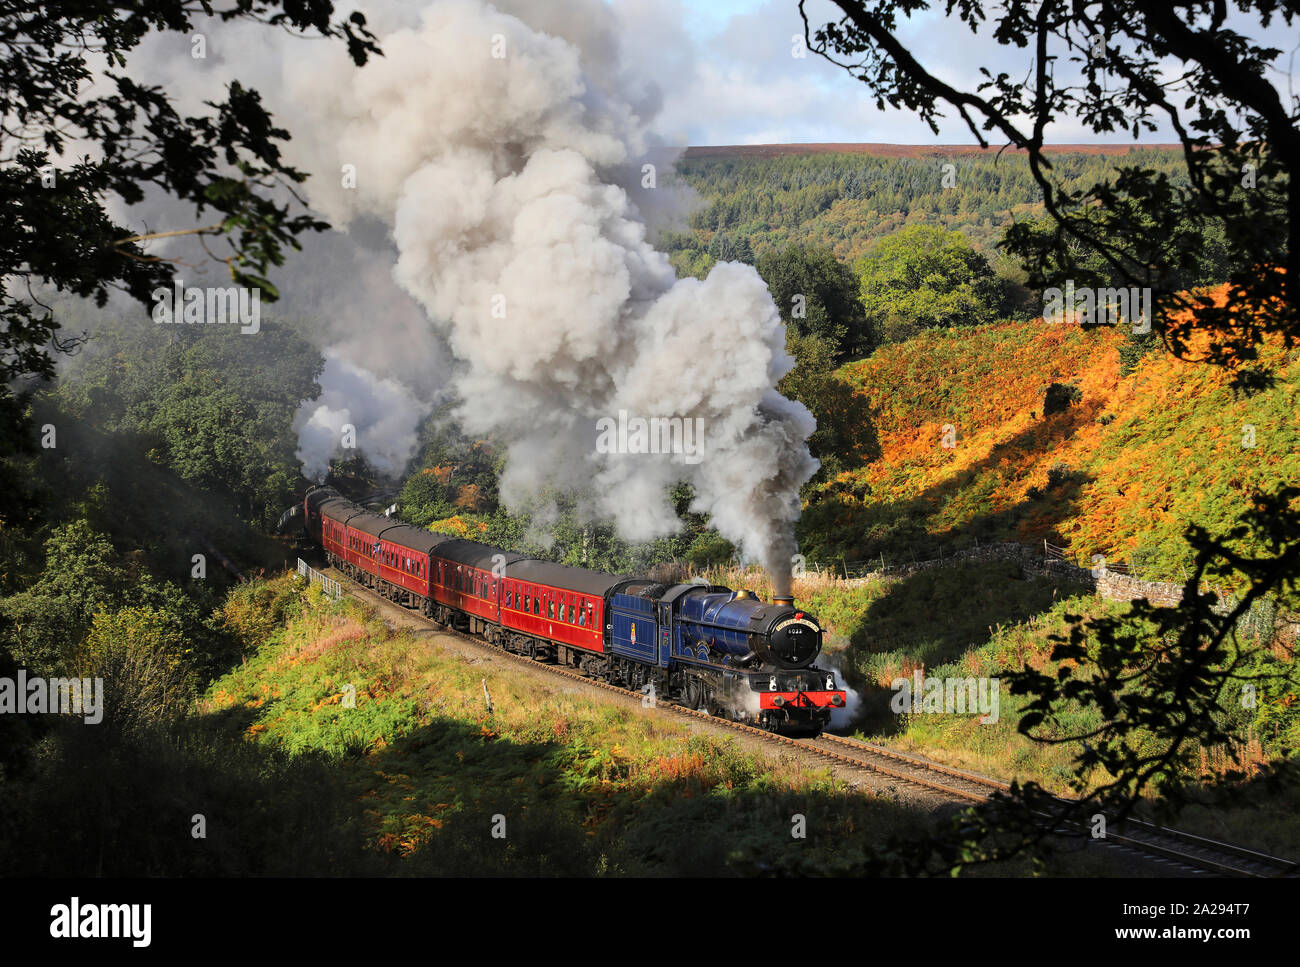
(570, 614)
(537, 605)
(550, 609)
(582, 618)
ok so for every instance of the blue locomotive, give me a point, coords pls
(723, 651)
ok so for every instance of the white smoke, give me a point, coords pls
(496, 163)
(842, 719)
(512, 195)
(382, 414)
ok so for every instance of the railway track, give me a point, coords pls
(1193, 853)
(1186, 852)
(1200, 853)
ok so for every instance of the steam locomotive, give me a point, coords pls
(708, 647)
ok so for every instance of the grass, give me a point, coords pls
(579, 786)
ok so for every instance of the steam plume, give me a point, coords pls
(496, 163)
(501, 163)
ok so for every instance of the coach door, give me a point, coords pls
(665, 634)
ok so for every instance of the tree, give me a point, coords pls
(816, 294)
(1152, 228)
(724, 248)
(926, 277)
(142, 655)
(81, 576)
(1163, 679)
(57, 229)
(215, 410)
(845, 436)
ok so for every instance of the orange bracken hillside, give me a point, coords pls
(1122, 469)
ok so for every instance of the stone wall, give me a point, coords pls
(1107, 584)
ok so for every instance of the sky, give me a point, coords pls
(729, 76)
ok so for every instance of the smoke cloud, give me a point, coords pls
(502, 169)
(500, 165)
(381, 412)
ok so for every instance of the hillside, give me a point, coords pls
(883, 150)
(844, 197)
(1121, 469)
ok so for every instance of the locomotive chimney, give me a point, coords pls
(786, 599)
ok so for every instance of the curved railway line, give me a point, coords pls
(1185, 852)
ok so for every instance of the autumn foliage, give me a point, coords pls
(967, 453)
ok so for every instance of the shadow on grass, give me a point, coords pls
(932, 618)
(450, 798)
